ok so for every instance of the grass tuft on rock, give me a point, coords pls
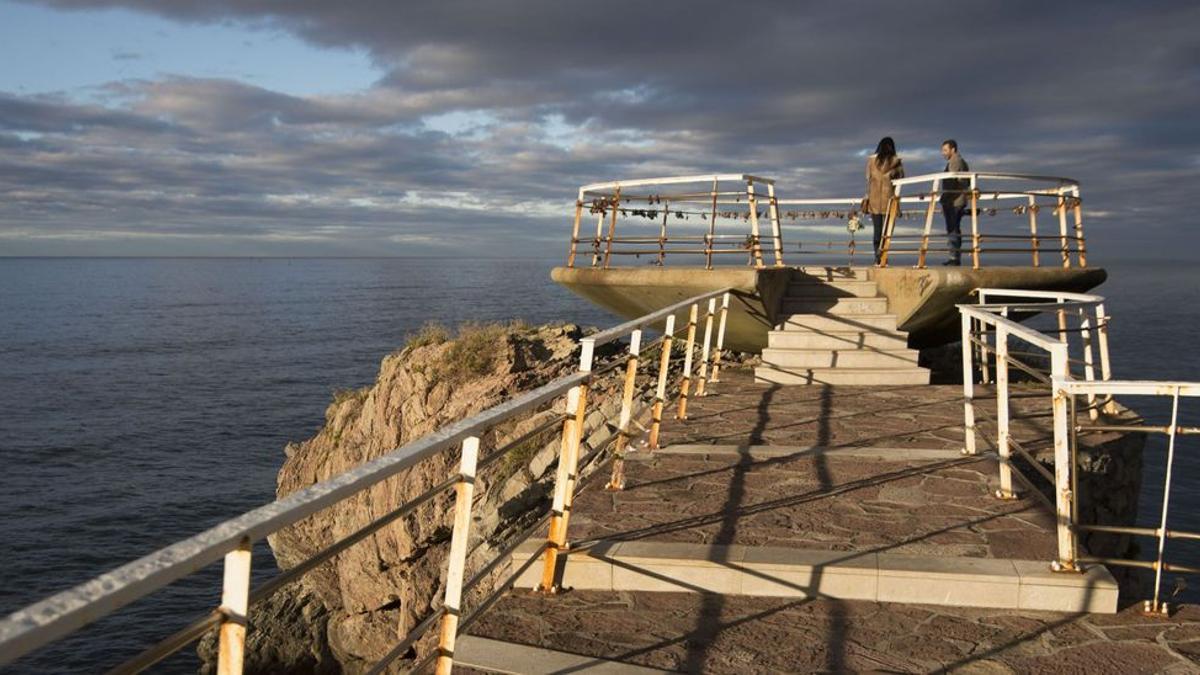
(430, 333)
(473, 352)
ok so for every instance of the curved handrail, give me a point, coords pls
(989, 175)
(1058, 194)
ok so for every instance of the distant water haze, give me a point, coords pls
(143, 400)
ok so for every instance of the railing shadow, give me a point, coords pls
(706, 632)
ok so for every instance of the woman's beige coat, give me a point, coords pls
(879, 182)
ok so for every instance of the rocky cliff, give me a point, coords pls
(346, 614)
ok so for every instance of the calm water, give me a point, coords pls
(142, 400)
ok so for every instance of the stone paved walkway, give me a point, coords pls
(941, 508)
(737, 411)
(830, 501)
(730, 634)
(935, 503)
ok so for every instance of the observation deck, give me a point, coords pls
(659, 240)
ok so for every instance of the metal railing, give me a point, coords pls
(987, 331)
(1032, 192)
(42, 623)
(710, 199)
(644, 199)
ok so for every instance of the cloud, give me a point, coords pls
(562, 95)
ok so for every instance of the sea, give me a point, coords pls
(143, 400)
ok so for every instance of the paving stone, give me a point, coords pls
(697, 633)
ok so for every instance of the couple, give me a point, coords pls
(885, 165)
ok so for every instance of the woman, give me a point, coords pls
(882, 167)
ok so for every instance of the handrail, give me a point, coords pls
(1065, 388)
(612, 200)
(50, 619)
(608, 202)
(41, 623)
(990, 175)
(673, 180)
(1066, 197)
(621, 330)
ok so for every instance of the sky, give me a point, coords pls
(258, 127)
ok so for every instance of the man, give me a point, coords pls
(954, 199)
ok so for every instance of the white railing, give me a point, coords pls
(646, 198)
(1063, 194)
(712, 197)
(42, 623)
(987, 331)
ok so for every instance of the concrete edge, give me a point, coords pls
(776, 451)
(785, 572)
(509, 657)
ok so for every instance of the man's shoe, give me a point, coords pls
(952, 263)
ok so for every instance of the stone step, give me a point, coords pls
(649, 566)
(839, 358)
(798, 338)
(819, 273)
(840, 323)
(834, 305)
(851, 376)
(813, 288)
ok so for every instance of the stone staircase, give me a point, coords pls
(836, 329)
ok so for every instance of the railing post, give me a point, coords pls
(712, 229)
(660, 392)
(968, 373)
(974, 222)
(662, 236)
(756, 251)
(617, 480)
(1002, 415)
(456, 563)
(933, 195)
(1162, 525)
(575, 233)
(1089, 369)
(235, 607)
(565, 477)
(1032, 210)
(612, 224)
(1062, 320)
(1110, 405)
(1080, 247)
(776, 232)
(1062, 229)
(716, 363)
(984, 377)
(1064, 472)
(685, 382)
(701, 384)
(599, 238)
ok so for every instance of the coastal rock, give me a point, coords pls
(347, 613)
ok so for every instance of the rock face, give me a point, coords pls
(347, 613)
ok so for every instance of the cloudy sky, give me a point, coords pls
(307, 127)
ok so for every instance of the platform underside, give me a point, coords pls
(923, 300)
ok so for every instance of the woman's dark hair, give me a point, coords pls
(885, 150)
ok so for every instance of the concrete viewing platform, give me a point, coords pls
(785, 529)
